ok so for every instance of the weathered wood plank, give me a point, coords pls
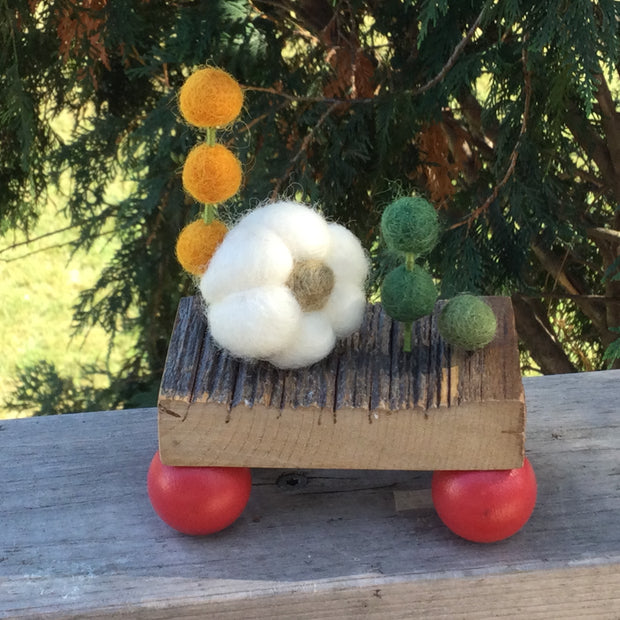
(380, 369)
(353, 379)
(501, 380)
(421, 368)
(369, 404)
(401, 397)
(184, 350)
(562, 594)
(435, 362)
(78, 537)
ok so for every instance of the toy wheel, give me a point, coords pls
(485, 505)
(198, 500)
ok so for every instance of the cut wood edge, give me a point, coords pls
(483, 435)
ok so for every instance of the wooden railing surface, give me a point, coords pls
(79, 539)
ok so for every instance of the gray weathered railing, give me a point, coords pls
(78, 537)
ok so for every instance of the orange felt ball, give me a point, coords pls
(197, 243)
(211, 174)
(210, 98)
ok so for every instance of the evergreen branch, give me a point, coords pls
(590, 141)
(604, 234)
(476, 213)
(603, 299)
(533, 326)
(290, 11)
(553, 266)
(572, 171)
(245, 128)
(35, 239)
(527, 368)
(483, 136)
(610, 120)
(50, 247)
(164, 80)
(303, 148)
(102, 216)
(456, 52)
(453, 57)
(303, 99)
(258, 119)
(11, 28)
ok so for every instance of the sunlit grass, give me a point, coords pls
(40, 283)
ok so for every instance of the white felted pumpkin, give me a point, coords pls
(284, 285)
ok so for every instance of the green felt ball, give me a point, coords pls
(467, 321)
(407, 294)
(410, 224)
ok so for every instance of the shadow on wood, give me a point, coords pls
(368, 405)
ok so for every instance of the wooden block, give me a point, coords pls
(368, 405)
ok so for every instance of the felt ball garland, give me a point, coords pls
(197, 243)
(467, 321)
(209, 98)
(408, 294)
(211, 174)
(409, 225)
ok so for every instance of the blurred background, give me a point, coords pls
(503, 114)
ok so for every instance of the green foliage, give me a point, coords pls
(42, 389)
(612, 352)
(504, 132)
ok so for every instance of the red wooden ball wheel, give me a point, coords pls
(198, 500)
(485, 506)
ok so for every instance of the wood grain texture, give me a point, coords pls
(367, 405)
(78, 537)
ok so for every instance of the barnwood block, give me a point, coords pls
(368, 405)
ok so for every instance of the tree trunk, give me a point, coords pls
(537, 333)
